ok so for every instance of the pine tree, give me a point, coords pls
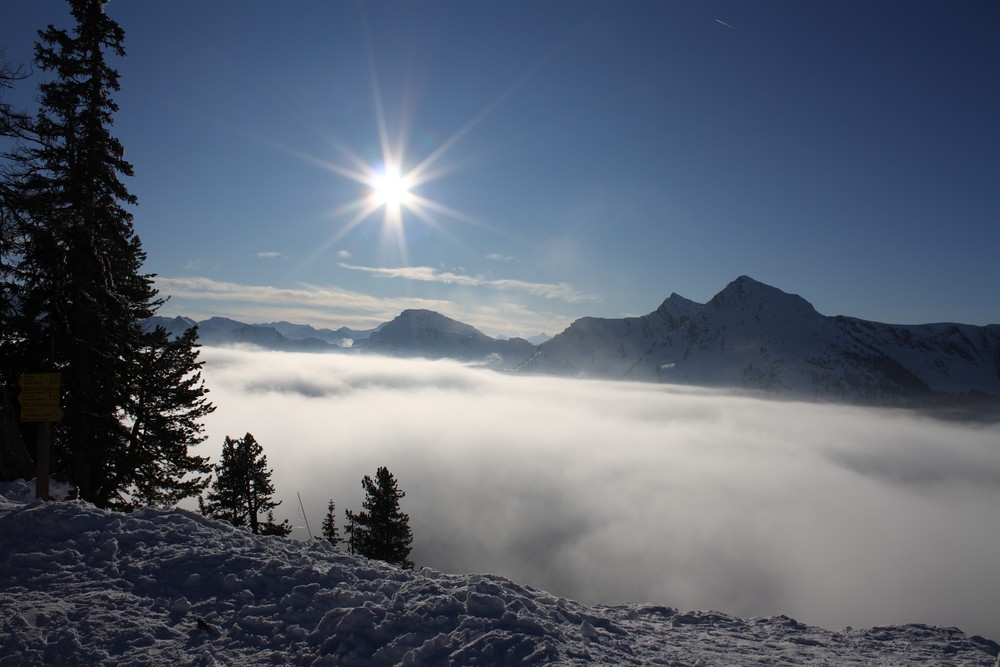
(72, 273)
(383, 532)
(269, 527)
(242, 490)
(165, 410)
(330, 532)
(349, 530)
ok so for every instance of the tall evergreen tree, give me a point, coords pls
(383, 532)
(330, 532)
(242, 489)
(73, 262)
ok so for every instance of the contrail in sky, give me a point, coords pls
(725, 24)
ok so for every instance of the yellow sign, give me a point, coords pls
(39, 397)
(41, 413)
(40, 381)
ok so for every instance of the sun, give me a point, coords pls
(394, 189)
(391, 188)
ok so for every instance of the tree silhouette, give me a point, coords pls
(74, 297)
(383, 532)
(165, 408)
(242, 489)
(330, 532)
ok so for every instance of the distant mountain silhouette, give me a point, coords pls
(425, 333)
(756, 337)
(749, 336)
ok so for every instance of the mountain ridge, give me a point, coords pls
(750, 336)
(426, 333)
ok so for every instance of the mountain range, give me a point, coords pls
(749, 336)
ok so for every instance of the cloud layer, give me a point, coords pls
(615, 492)
(429, 274)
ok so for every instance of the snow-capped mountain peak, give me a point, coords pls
(748, 295)
(754, 336)
(675, 310)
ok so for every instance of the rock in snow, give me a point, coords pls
(82, 586)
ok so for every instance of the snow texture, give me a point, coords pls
(82, 586)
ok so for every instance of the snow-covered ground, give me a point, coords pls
(81, 586)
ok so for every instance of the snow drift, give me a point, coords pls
(82, 586)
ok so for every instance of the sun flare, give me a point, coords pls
(394, 189)
(391, 189)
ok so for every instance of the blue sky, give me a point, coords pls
(577, 157)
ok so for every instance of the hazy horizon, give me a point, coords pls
(611, 492)
(258, 318)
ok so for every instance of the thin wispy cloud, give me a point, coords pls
(497, 257)
(269, 254)
(334, 299)
(725, 24)
(560, 291)
(612, 492)
(344, 254)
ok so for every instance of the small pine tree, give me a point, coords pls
(330, 532)
(242, 490)
(349, 530)
(269, 527)
(383, 532)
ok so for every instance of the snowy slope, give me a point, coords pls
(81, 586)
(600, 347)
(756, 336)
(948, 357)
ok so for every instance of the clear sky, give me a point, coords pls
(567, 158)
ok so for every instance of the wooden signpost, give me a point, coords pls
(39, 400)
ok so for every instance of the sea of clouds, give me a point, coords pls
(610, 492)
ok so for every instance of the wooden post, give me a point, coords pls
(39, 400)
(44, 454)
